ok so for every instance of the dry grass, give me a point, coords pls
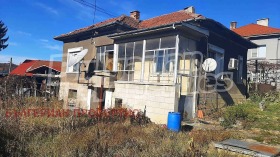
(81, 136)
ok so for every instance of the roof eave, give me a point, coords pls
(262, 35)
(64, 37)
(247, 42)
(160, 28)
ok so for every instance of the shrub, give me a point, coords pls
(247, 113)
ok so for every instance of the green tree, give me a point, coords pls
(3, 31)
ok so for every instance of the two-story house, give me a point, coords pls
(262, 61)
(154, 65)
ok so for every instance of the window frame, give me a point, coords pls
(221, 52)
(240, 69)
(103, 55)
(71, 51)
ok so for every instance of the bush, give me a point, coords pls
(246, 113)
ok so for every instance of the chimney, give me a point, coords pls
(135, 14)
(233, 25)
(263, 22)
(190, 9)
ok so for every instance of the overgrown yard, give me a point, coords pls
(126, 135)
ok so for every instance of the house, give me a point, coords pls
(155, 65)
(266, 56)
(45, 73)
(5, 68)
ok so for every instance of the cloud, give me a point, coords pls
(16, 59)
(53, 47)
(44, 40)
(49, 45)
(48, 8)
(13, 44)
(22, 33)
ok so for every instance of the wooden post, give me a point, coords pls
(10, 66)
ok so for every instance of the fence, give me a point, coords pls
(263, 73)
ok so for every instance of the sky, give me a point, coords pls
(32, 24)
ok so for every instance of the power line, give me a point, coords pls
(94, 6)
(94, 12)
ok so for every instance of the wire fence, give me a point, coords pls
(265, 73)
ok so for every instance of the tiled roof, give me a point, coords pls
(165, 19)
(26, 68)
(177, 16)
(255, 29)
(124, 20)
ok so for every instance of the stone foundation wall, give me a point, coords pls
(82, 94)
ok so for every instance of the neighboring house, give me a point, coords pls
(267, 54)
(5, 68)
(154, 65)
(45, 73)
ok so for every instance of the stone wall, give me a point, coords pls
(82, 94)
(158, 99)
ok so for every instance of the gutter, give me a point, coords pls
(261, 35)
(160, 28)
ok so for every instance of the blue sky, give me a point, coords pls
(32, 24)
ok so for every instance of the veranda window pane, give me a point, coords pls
(152, 44)
(168, 42)
(129, 56)
(170, 60)
(110, 47)
(138, 53)
(183, 45)
(159, 61)
(121, 57)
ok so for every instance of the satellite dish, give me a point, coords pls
(77, 57)
(209, 65)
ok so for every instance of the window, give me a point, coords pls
(162, 52)
(135, 64)
(72, 94)
(129, 61)
(217, 53)
(164, 61)
(72, 53)
(187, 49)
(104, 57)
(260, 52)
(240, 69)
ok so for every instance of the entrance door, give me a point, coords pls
(187, 76)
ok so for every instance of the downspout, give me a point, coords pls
(207, 49)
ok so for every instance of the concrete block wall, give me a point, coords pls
(158, 99)
(82, 94)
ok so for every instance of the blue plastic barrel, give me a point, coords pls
(174, 121)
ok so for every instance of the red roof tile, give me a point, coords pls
(125, 20)
(255, 29)
(51, 64)
(178, 16)
(25, 69)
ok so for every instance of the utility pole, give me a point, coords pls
(10, 66)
